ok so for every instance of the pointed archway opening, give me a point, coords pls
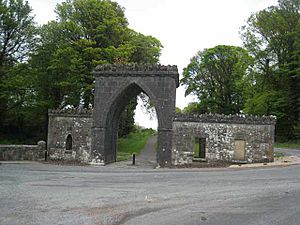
(146, 125)
(124, 98)
(115, 86)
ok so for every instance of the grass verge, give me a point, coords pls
(290, 144)
(279, 155)
(132, 143)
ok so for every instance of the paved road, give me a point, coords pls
(148, 154)
(33, 194)
(289, 152)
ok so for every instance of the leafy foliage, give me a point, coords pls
(226, 80)
(50, 66)
(194, 108)
(272, 36)
(17, 40)
(88, 33)
(126, 123)
(218, 76)
(58, 72)
(17, 31)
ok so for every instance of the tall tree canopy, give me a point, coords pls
(272, 36)
(17, 31)
(85, 34)
(17, 40)
(218, 76)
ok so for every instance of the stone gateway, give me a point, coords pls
(116, 85)
(90, 135)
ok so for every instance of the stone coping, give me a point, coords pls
(18, 146)
(75, 112)
(179, 117)
(134, 70)
(220, 118)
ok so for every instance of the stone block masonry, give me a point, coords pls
(115, 86)
(234, 138)
(91, 136)
(22, 152)
(69, 134)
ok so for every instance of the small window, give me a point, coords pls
(69, 142)
(199, 148)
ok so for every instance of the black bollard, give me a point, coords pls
(46, 155)
(133, 159)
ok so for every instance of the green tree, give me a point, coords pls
(24, 116)
(126, 122)
(218, 77)
(272, 36)
(178, 110)
(17, 40)
(17, 31)
(86, 33)
(194, 108)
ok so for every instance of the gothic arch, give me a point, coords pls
(117, 106)
(124, 90)
(116, 85)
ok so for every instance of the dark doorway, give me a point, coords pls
(69, 142)
(199, 148)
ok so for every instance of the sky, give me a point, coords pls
(183, 27)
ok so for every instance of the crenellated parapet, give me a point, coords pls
(220, 118)
(133, 67)
(73, 112)
(133, 70)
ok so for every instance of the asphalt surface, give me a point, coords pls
(288, 152)
(147, 157)
(48, 194)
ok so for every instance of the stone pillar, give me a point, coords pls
(98, 153)
(164, 153)
(41, 146)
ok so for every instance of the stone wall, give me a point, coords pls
(234, 138)
(225, 138)
(22, 152)
(73, 126)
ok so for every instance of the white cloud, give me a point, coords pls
(43, 9)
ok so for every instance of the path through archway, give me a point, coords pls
(116, 85)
